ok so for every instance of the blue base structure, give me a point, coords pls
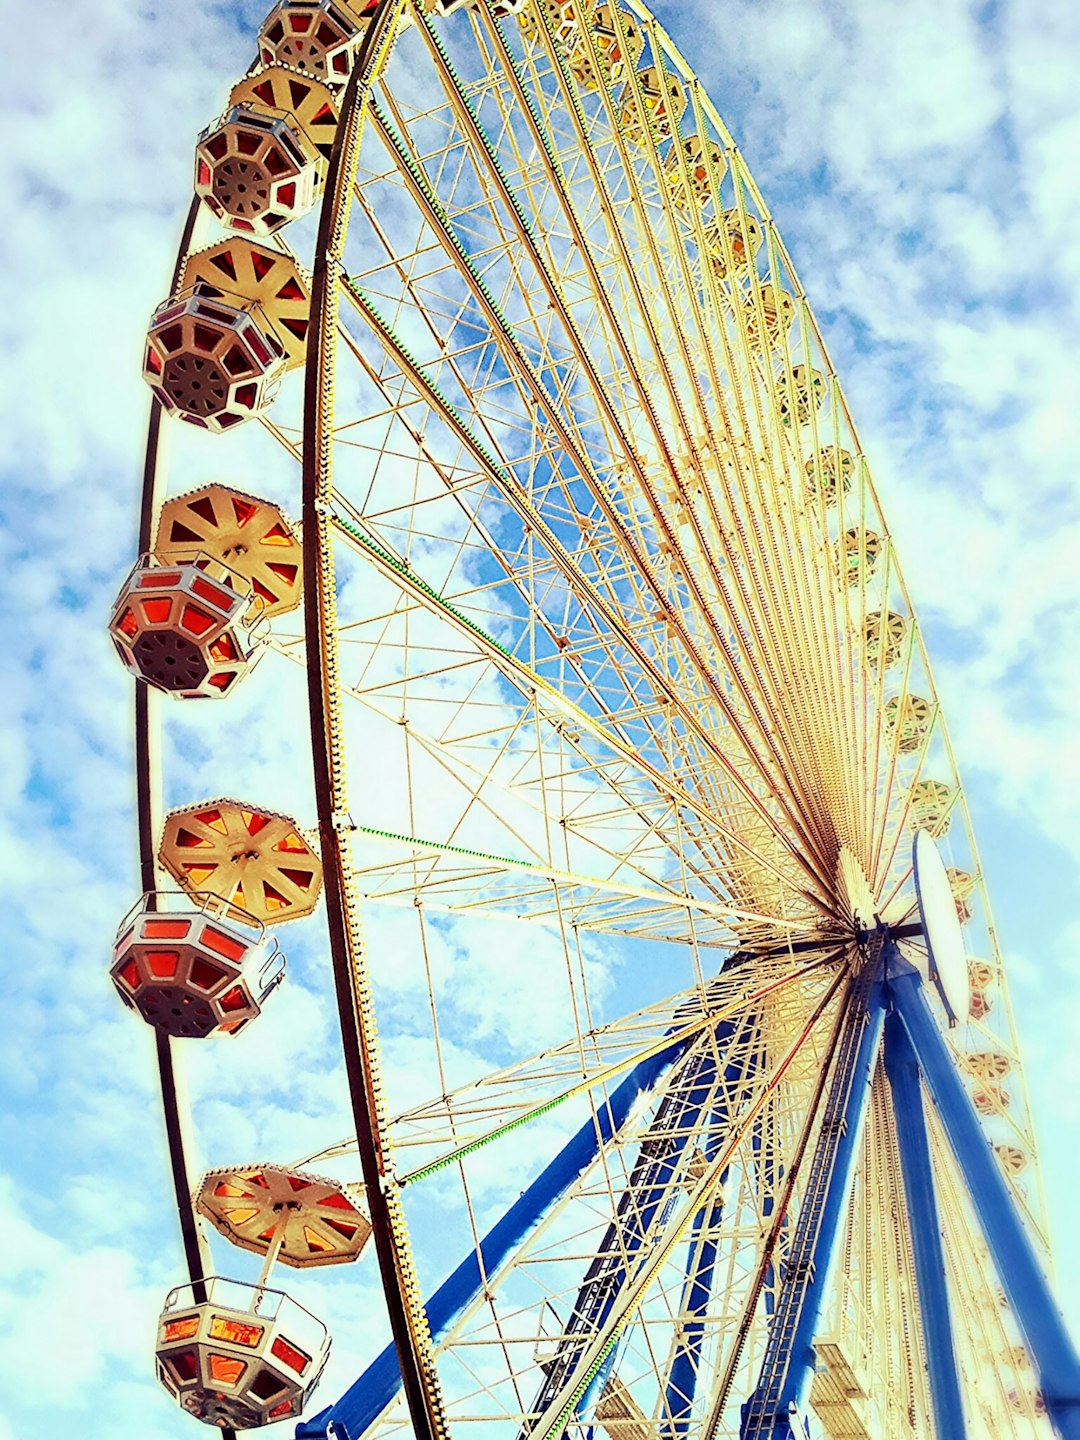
(920, 1199)
(888, 997)
(1048, 1342)
(369, 1396)
(773, 1410)
(643, 1209)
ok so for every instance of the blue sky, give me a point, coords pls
(920, 162)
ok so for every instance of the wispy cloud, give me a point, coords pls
(920, 161)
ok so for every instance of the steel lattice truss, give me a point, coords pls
(596, 568)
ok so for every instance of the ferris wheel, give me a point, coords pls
(540, 487)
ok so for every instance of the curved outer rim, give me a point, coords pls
(408, 1319)
(406, 1312)
(404, 1303)
(149, 812)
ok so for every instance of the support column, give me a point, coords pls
(694, 1304)
(1048, 1342)
(902, 1069)
(376, 1388)
(783, 1387)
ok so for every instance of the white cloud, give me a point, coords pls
(937, 236)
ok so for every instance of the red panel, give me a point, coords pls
(244, 510)
(224, 1369)
(237, 1332)
(157, 611)
(235, 999)
(339, 1202)
(237, 362)
(162, 964)
(129, 974)
(165, 929)
(157, 579)
(222, 944)
(262, 263)
(348, 1231)
(205, 974)
(291, 290)
(223, 649)
(224, 263)
(184, 1364)
(289, 1355)
(213, 593)
(196, 621)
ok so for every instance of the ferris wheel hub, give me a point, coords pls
(854, 891)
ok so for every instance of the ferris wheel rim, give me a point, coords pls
(318, 440)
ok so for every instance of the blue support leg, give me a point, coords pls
(694, 1308)
(1049, 1344)
(902, 1069)
(644, 1208)
(369, 1395)
(787, 1370)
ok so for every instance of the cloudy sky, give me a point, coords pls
(920, 161)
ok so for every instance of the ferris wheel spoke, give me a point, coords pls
(513, 1092)
(727, 771)
(650, 284)
(598, 593)
(516, 363)
(652, 791)
(638, 661)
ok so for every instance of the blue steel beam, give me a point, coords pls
(902, 1068)
(369, 1395)
(642, 1208)
(771, 1172)
(681, 1383)
(787, 1370)
(694, 1303)
(1048, 1342)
